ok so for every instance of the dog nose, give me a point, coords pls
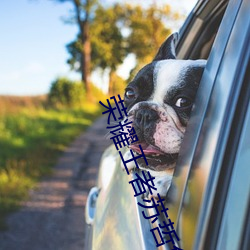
(145, 118)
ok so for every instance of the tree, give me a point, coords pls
(119, 30)
(108, 45)
(148, 31)
(66, 93)
(83, 15)
(108, 48)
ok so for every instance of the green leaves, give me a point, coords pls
(119, 30)
(147, 31)
(67, 93)
(108, 50)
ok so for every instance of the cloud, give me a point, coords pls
(34, 67)
(23, 80)
(31, 68)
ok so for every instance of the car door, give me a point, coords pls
(118, 222)
(202, 191)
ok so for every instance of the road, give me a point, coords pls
(53, 217)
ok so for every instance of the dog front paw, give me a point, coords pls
(130, 165)
(162, 185)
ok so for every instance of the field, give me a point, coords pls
(32, 135)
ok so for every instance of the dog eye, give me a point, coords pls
(130, 94)
(183, 102)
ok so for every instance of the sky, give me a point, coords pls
(32, 44)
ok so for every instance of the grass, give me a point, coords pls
(31, 139)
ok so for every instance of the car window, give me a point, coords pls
(192, 192)
(235, 214)
(202, 98)
(198, 34)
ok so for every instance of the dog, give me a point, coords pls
(159, 100)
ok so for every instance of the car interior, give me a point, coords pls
(196, 41)
(197, 37)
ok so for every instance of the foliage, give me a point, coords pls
(119, 30)
(97, 94)
(83, 13)
(108, 48)
(107, 34)
(118, 84)
(31, 138)
(13, 104)
(67, 93)
(147, 30)
(74, 49)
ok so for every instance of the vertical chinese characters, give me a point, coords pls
(123, 135)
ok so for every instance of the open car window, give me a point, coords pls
(198, 33)
(197, 173)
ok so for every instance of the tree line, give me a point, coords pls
(107, 34)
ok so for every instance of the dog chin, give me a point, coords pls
(157, 159)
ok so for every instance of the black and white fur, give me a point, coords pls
(159, 101)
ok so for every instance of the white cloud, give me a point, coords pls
(31, 68)
(34, 68)
(27, 79)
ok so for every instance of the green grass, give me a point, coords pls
(31, 139)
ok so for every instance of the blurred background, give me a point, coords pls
(58, 59)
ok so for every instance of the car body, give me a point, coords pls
(210, 194)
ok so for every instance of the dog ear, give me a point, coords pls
(167, 49)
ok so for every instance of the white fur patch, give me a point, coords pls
(169, 73)
(162, 182)
(129, 165)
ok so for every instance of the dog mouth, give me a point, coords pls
(154, 156)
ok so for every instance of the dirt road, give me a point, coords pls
(53, 218)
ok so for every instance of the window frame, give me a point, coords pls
(197, 136)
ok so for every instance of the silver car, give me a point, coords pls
(210, 194)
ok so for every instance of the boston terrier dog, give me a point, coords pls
(159, 101)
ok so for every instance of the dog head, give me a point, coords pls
(159, 101)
